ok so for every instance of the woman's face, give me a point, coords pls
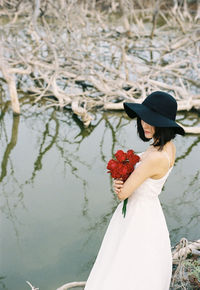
(148, 130)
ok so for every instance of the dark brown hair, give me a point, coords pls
(161, 136)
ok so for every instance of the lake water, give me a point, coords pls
(57, 200)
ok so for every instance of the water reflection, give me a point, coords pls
(10, 146)
(8, 208)
(54, 171)
(51, 134)
(188, 150)
(2, 284)
(46, 143)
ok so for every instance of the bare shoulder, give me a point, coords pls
(152, 164)
(156, 163)
(152, 156)
(155, 155)
(155, 158)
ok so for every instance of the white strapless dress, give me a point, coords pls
(135, 253)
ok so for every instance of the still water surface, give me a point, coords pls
(56, 197)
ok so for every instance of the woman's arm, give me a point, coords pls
(149, 167)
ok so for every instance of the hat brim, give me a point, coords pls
(151, 117)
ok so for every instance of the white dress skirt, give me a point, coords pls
(135, 253)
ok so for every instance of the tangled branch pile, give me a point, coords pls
(186, 261)
(86, 54)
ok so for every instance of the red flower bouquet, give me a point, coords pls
(122, 167)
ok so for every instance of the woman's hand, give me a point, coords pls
(117, 185)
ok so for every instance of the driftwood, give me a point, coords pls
(72, 285)
(187, 271)
(184, 248)
(10, 79)
(73, 56)
(32, 287)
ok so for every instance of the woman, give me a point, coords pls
(135, 253)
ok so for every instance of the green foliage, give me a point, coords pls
(192, 267)
(187, 275)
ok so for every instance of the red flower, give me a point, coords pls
(129, 167)
(134, 159)
(112, 164)
(124, 170)
(130, 153)
(123, 167)
(120, 155)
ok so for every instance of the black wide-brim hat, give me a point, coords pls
(158, 110)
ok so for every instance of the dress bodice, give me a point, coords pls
(150, 188)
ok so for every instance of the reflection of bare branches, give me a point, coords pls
(9, 147)
(192, 222)
(43, 151)
(73, 134)
(2, 284)
(187, 202)
(103, 157)
(195, 143)
(68, 159)
(7, 207)
(61, 132)
(113, 134)
(4, 107)
(84, 132)
(114, 125)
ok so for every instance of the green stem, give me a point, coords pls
(124, 207)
